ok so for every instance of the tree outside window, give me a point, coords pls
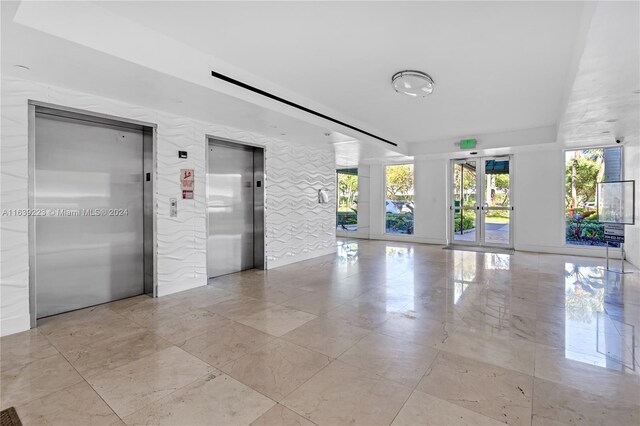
(399, 202)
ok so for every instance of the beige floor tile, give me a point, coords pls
(238, 307)
(131, 387)
(552, 365)
(24, 383)
(85, 327)
(76, 405)
(416, 329)
(277, 320)
(555, 402)
(277, 368)
(423, 409)
(315, 303)
(215, 400)
(395, 359)
(504, 352)
(281, 416)
(225, 344)
(341, 394)
(23, 348)
(274, 293)
(114, 352)
(327, 336)
(504, 395)
(363, 316)
(179, 328)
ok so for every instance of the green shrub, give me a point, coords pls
(400, 223)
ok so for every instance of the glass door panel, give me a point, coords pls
(481, 210)
(496, 203)
(465, 202)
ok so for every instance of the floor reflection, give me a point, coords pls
(347, 251)
(595, 332)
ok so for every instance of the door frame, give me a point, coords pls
(479, 207)
(149, 147)
(259, 226)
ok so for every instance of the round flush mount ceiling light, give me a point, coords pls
(413, 83)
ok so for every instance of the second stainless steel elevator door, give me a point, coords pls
(230, 207)
(89, 242)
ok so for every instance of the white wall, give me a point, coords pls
(430, 189)
(297, 227)
(538, 197)
(632, 172)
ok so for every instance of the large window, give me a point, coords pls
(584, 168)
(347, 203)
(399, 205)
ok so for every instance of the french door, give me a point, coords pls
(481, 210)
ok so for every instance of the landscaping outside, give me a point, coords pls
(347, 202)
(400, 199)
(584, 169)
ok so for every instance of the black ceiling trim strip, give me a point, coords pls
(293, 104)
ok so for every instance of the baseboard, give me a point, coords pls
(15, 325)
(408, 239)
(167, 289)
(614, 253)
(271, 264)
(356, 234)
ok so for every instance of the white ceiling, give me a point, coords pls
(498, 66)
(604, 102)
(505, 70)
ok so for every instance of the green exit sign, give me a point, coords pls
(467, 143)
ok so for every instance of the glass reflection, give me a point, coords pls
(594, 329)
(464, 273)
(497, 261)
(399, 251)
(347, 251)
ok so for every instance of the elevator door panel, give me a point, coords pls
(230, 209)
(89, 246)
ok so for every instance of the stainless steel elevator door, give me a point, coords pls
(230, 208)
(86, 258)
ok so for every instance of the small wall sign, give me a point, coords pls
(186, 183)
(182, 154)
(614, 232)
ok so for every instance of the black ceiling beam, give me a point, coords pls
(295, 105)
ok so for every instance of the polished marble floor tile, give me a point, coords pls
(226, 344)
(381, 332)
(553, 402)
(280, 415)
(344, 395)
(77, 405)
(423, 409)
(394, 359)
(238, 307)
(24, 383)
(277, 368)
(114, 352)
(416, 328)
(277, 320)
(496, 392)
(514, 354)
(327, 336)
(179, 328)
(23, 348)
(213, 400)
(129, 388)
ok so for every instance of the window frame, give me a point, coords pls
(564, 189)
(384, 198)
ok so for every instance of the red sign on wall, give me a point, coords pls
(186, 183)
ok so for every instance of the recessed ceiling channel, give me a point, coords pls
(295, 105)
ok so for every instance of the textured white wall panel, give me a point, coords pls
(296, 226)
